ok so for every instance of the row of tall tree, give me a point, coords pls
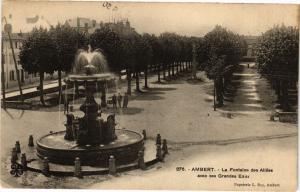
(218, 54)
(138, 53)
(47, 51)
(277, 56)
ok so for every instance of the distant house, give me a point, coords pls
(251, 42)
(121, 27)
(90, 25)
(10, 74)
(82, 24)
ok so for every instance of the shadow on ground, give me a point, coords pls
(194, 81)
(162, 89)
(146, 97)
(14, 114)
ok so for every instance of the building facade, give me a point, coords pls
(82, 24)
(90, 25)
(10, 74)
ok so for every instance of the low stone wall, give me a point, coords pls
(288, 117)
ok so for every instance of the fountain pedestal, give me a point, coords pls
(92, 129)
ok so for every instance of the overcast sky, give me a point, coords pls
(194, 19)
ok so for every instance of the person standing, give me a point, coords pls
(125, 101)
(114, 101)
(120, 100)
(66, 106)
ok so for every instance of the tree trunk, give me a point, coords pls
(146, 78)
(169, 71)
(42, 88)
(173, 69)
(59, 86)
(223, 85)
(180, 66)
(158, 73)
(219, 94)
(164, 71)
(137, 81)
(128, 81)
(285, 97)
(277, 90)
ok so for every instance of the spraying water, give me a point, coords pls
(90, 62)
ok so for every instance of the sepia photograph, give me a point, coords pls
(149, 95)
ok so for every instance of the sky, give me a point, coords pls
(191, 19)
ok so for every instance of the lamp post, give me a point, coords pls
(2, 77)
(214, 94)
(8, 29)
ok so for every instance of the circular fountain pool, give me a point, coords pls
(58, 150)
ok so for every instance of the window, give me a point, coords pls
(16, 44)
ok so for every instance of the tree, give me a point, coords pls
(168, 45)
(109, 42)
(218, 53)
(128, 56)
(67, 41)
(186, 54)
(37, 55)
(138, 63)
(156, 58)
(144, 55)
(277, 57)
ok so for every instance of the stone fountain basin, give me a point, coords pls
(36, 165)
(58, 150)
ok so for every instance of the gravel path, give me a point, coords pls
(181, 111)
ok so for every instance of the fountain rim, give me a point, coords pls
(43, 146)
(94, 77)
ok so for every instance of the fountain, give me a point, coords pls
(90, 138)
